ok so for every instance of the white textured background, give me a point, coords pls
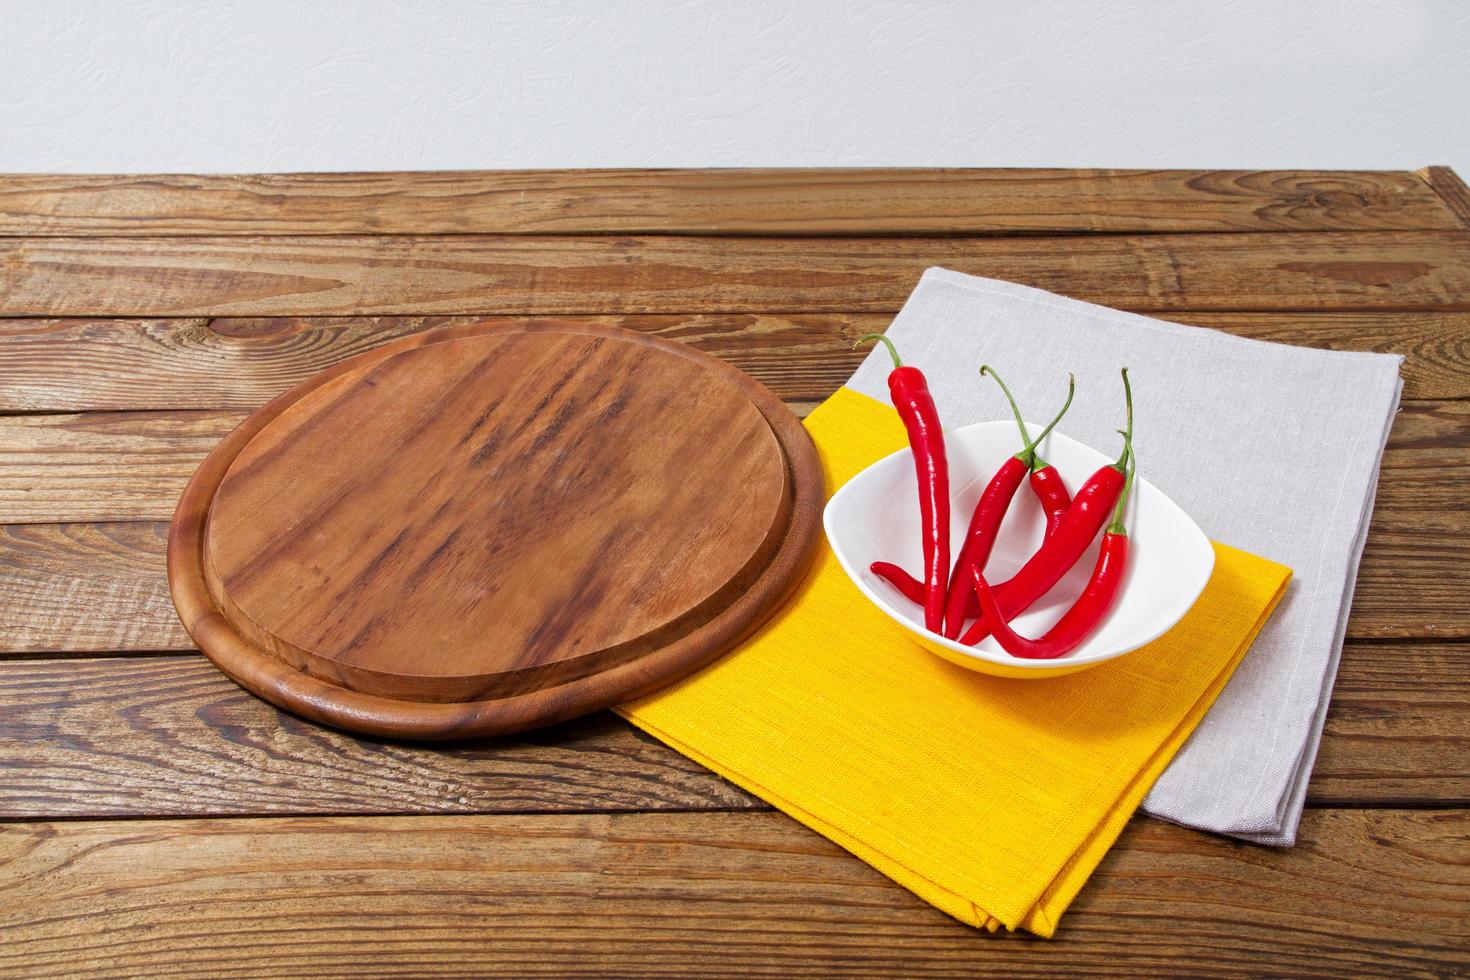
(284, 85)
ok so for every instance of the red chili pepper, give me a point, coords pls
(991, 509)
(908, 586)
(1089, 609)
(1049, 489)
(912, 589)
(1089, 511)
(1051, 493)
(909, 391)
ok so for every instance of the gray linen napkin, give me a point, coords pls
(1270, 448)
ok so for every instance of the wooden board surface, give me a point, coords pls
(493, 528)
(117, 374)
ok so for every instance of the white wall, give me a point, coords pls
(284, 85)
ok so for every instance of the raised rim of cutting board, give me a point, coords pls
(286, 686)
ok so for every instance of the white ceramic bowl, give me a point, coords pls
(875, 517)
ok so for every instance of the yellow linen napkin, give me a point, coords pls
(991, 799)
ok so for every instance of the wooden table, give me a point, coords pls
(159, 820)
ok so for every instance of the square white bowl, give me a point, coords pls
(875, 517)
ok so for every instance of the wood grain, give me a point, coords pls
(86, 587)
(49, 365)
(1414, 580)
(789, 202)
(319, 555)
(129, 466)
(409, 469)
(90, 365)
(738, 894)
(170, 736)
(1398, 729)
(1451, 189)
(124, 277)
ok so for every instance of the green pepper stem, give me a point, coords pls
(1027, 454)
(1130, 468)
(1015, 411)
(892, 351)
(1122, 462)
(1037, 463)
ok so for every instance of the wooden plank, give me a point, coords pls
(123, 277)
(102, 465)
(739, 894)
(86, 587)
(1398, 730)
(49, 365)
(172, 736)
(1451, 189)
(1414, 581)
(805, 202)
(87, 365)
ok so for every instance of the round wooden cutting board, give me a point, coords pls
(490, 528)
